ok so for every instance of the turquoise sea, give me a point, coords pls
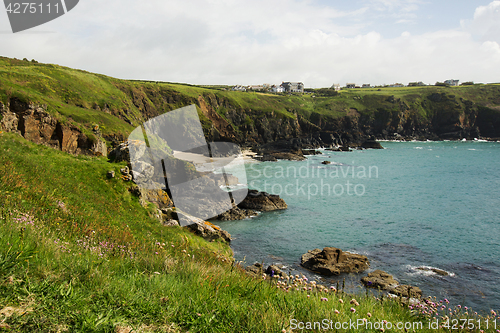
(413, 204)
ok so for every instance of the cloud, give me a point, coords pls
(485, 25)
(235, 42)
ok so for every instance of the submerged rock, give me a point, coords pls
(333, 261)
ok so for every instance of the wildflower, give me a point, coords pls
(324, 299)
(353, 310)
(336, 311)
(341, 300)
(493, 313)
(333, 288)
(308, 296)
(382, 329)
(283, 331)
(369, 315)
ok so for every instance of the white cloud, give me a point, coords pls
(235, 42)
(486, 22)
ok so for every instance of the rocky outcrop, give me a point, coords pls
(381, 280)
(257, 270)
(35, 124)
(262, 202)
(434, 270)
(371, 144)
(333, 261)
(236, 213)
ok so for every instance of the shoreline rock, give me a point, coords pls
(381, 280)
(332, 261)
(262, 201)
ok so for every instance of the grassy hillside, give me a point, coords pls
(78, 253)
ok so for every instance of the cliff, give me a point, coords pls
(78, 111)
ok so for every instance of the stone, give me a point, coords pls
(333, 261)
(371, 144)
(274, 270)
(311, 152)
(406, 291)
(326, 162)
(262, 202)
(255, 270)
(207, 230)
(435, 270)
(379, 279)
(110, 174)
(236, 213)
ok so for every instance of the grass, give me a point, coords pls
(78, 253)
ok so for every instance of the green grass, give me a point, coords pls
(78, 253)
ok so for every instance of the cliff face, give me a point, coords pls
(77, 111)
(34, 123)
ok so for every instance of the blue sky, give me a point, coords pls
(318, 42)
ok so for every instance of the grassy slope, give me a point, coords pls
(78, 253)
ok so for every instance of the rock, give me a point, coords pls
(326, 162)
(406, 291)
(384, 281)
(209, 231)
(333, 261)
(236, 213)
(110, 174)
(435, 270)
(122, 152)
(255, 270)
(311, 152)
(262, 201)
(379, 279)
(289, 156)
(125, 170)
(371, 144)
(267, 158)
(274, 270)
(153, 194)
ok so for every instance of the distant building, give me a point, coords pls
(291, 87)
(350, 85)
(277, 89)
(452, 82)
(239, 88)
(416, 84)
(366, 85)
(397, 85)
(335, 86)
(256, 87)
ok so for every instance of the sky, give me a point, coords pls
(230, 42)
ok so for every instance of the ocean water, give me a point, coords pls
(413, 204)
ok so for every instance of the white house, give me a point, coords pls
(452, 82)
(335, 86)
(277, 89)
(293, 86)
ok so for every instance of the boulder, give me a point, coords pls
(384, 281)
(333, 261)
(326, 162)
(311, 152)
(405, 290)
(379, 279)
(371, 144)
(262, 201)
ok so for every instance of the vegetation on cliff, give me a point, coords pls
(84, 99)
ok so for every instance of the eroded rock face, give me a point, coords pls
(236, 213)
(35, 124)
(333, 261)
(262, 201)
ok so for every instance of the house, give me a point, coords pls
(452, 82)
(239, 88)
(256, 87)
(366, 85)
(291, 87)
(350, 85)
(277, 89)
(397, 85)
(335, 86)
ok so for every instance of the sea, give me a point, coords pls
(411, 205)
